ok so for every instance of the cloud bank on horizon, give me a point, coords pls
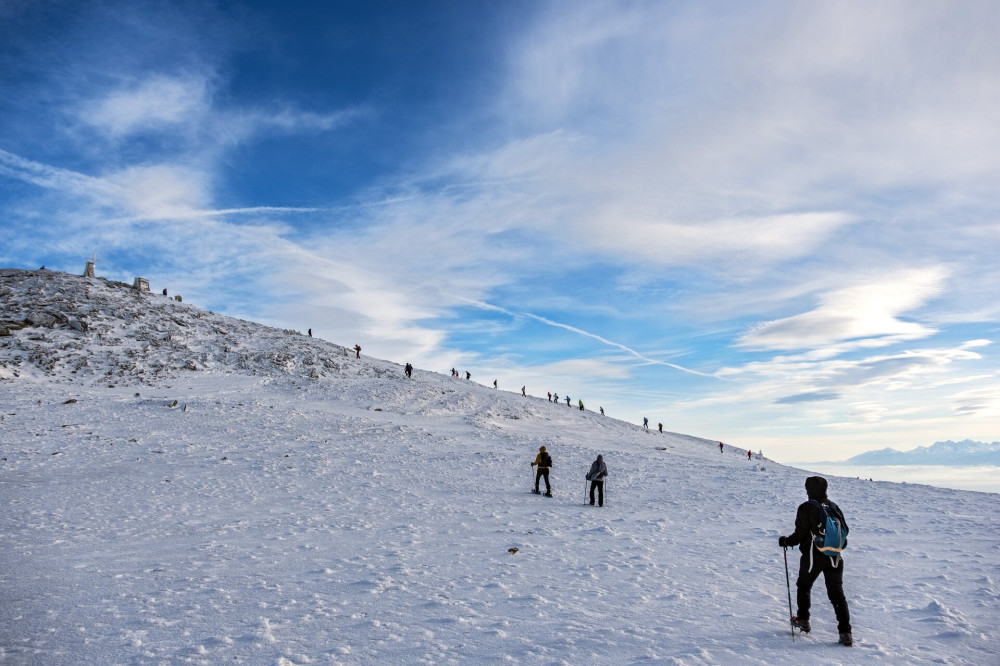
(775, 225)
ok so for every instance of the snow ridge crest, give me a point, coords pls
(65, 327)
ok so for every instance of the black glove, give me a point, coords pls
(783, 542)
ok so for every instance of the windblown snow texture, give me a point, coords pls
(182, 487)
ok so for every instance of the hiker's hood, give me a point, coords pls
(816, 487)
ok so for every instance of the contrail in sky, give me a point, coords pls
(578, 331)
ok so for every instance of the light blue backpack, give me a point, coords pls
(832, 537)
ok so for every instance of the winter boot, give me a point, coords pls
(802, 624)
(845, 639)
(536, 491)
(548, 493)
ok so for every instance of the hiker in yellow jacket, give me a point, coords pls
(544, 461)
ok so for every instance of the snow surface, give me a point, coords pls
(177, 489)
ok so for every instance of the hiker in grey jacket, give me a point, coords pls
(598, 470)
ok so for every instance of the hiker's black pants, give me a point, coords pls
(543, 472)
(834, 578)
(599, 487)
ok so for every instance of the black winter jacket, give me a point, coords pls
(808, 521)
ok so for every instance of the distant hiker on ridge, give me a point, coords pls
(544, 462)
(645, 423)
(408, 370)
(550, 396)
(602, 411)
(661, 426)
(468, 375)
(567, 401)
(494, 383)
(523, 392)
(598, 470)
(357, 351)
(310, 332)
(749, 455)
(720, 447)
(810, 518)
(581, 404)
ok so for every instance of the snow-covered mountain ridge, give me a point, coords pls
(182, 487)
(76, 328)
(966, 452)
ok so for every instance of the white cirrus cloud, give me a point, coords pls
(866, 314)
(162, 191)
(771, 238)
(155, 103)
(977, 402)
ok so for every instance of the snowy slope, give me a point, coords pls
(177, 489)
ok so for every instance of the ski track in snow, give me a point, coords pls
(361, 518)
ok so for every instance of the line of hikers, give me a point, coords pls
(554, 397)
(408, 371)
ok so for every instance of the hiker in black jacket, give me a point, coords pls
(812, 563)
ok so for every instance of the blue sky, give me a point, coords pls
(774, 224)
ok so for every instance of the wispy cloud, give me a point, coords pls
(158, 103)
(50, 177)
(811, 396)
(984, 402)
(862, 315)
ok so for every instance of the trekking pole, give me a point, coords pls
(788, 585)
(585, 492)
